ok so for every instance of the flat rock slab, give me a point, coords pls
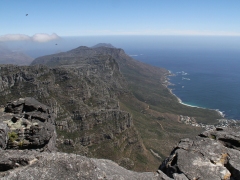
(23, 165)
(212, 155)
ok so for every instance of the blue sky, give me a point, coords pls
(118, 17)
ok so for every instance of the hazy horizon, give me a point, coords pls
(131, 44)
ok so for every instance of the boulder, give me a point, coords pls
(27, 124)
(214, 154)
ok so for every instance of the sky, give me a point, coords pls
(49, 20)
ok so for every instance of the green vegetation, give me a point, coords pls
(145, 82)
(12, 136)
(69, 135)
(213, 136)
(21, 143)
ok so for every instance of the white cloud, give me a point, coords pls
(44, 37)
(39, 37)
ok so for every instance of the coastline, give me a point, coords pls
(181, 102)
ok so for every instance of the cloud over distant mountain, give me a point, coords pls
(44, 37)
(39, 37)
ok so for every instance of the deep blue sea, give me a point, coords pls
(203, 78)
(207, 69)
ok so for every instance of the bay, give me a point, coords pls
(208, 79)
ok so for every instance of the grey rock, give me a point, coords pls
(31, 125)
(163, 176)
(34, 165)
(3, 135)
(228, 137)
(179, 176)
(213, 154)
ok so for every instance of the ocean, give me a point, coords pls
(206, 69)
(202, 78)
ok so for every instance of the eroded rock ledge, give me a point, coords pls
(213, 155)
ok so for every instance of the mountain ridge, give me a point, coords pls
(107, 104)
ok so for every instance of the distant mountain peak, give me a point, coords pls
(9, 56)
(108, 45)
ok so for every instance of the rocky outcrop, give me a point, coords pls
(212, 155)
(27, 144)
(27, 124)
(24, 165)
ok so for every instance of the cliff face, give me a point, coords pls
(27, 142)
(84, 101)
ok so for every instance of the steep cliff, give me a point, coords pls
(84, 100)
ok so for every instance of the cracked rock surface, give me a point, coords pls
(25, 164)
(212, 155)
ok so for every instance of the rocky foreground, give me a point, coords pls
(214, 154)
(27, 140)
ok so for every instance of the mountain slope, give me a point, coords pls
(155, 111)
(107, 104)
(147, 83)
(13, 57)
(84, 100)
